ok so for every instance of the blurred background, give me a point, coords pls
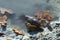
(29, 7)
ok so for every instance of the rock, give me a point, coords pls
(3, 20)
(58, 39)
(44, 39)
(9, 38)
(18, 32)
(33, 28)
(3, 10)
(58, 34)
(1, 34)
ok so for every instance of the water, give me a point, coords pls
(29, 7)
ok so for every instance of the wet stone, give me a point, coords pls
(58, 39)
(58, 34)
(44, 39)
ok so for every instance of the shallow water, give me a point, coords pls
(29, 7)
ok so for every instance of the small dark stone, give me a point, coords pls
(44, 39)
(4, 27)
(49, 37)
(1, 34)
(57, 24)
(58, 34)
(58, 39)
